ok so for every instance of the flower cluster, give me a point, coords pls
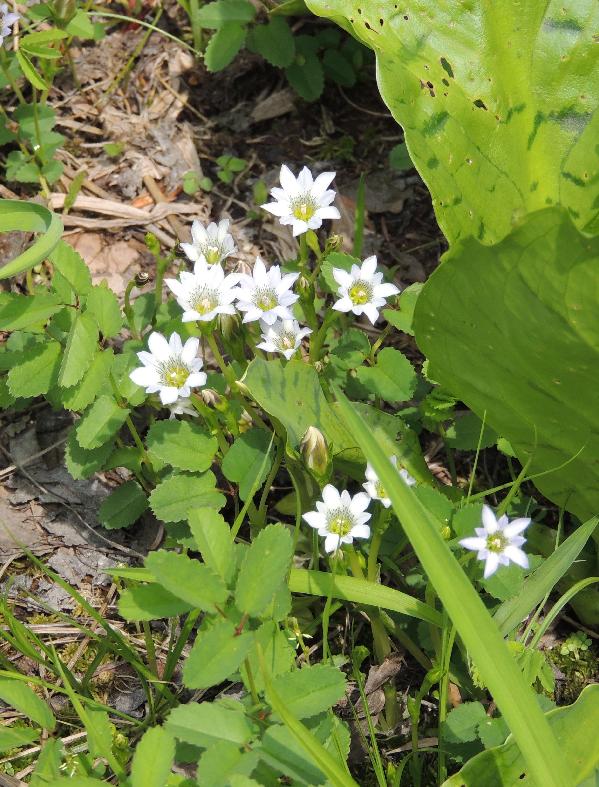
(7, 20)
(340, 518)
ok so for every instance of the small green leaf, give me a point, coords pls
(93, 382)
(178, 494)
(181, 444)
(244, 462)
(466, 431)
(462, 722)
(29, 71)
(18, 695)
(187, 579)
(216, 655)
(153, 759)
(305, 74)
(213, 538)
(222, 760)
(223, 46)
(82, 462)
(205, 723)
(393, 378)
(338, 68)
(80, 26)
(492, 732)
(100, 422)
(80, 350)
(21, 311)
(311, 690)
(336, 259)
(37, 372)
(124, 506)
(402, 319)
(104, 307)
(277, 651)
(72, 267)
(274, 41)
(399, 158)
(215, 15)
(268, 559)
(150, 602)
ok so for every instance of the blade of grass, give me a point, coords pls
(480, 634)
(359, 218)
(319, 583)
(541, 581)
(559, 605)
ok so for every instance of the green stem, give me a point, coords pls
(250, 676)
(280, 451)
(317, 338)
(211, 420)
(449, 633)
(128, 309)
(378, 528)
(227, 371)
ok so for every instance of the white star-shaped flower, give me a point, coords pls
(498, 541)
(214, 243)
(303, 202)
(266, 295)
(340, 517)
(374, 487)
(284, 336)
(7, 20)
(171, 369)
(362, 290)
(205, 293)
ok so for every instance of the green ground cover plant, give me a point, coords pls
(209, 384)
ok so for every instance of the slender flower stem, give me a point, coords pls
(128, 309)
(280, 452)
(211, 420)
(448, 639)
(317, 339)
(378, 528)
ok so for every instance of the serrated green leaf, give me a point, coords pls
(220, 12)
(30, 73)
(223, 46)
(72, 267)
(338, 68)
(124, 506)
(336, 259)
(22, 311)
(93, 382)
(181, 444)
(213, 538)
(187, 579)
(82, 462)
(403, 318)
(205, 723)
(393, 378)
(13, 737)
(277, 652)
(153, 759)
(18, 695)
(216, 655)
(37, 372)
(81, 347)
(100, 422)
(244, 463)
(275, 42)
(461, 724)
(492, 732)
(311, 690)
(177, 495)
(150, 602)
(305, 74)
(104, 307)
(121, 369)
(221, 760)
(269, 558)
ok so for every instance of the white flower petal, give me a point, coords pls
(159, 347)
(315, 519)
(144, 376)
(360, 531)
(331, 496)
(516, 527)
(473, 542)
(491, 564)
(516, 556)
(489, 520)
(359, 503)
(169, 394)
(332, 542)
(190, 349)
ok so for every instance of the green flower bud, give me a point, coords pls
(334, 243)
(315, 452)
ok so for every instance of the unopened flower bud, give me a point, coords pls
(244, 267)
(141, 278)
(245, 422)
(210, 397)
(315, 452)
(334, 243)
(64, 10)
(446, 533)
(229, 324)
(152, 243)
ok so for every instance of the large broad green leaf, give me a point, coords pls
(153, 759)
(29, 217)
(498, 101)
(575, 728)
(205, 723)
(512, 330)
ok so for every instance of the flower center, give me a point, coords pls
(204, 300)
(286, 341)
(212, 254)
(380, 490)
(340, 521)
(174, 373)
(496, 542)
(360, 292)
(266, 298)
(304, 207)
